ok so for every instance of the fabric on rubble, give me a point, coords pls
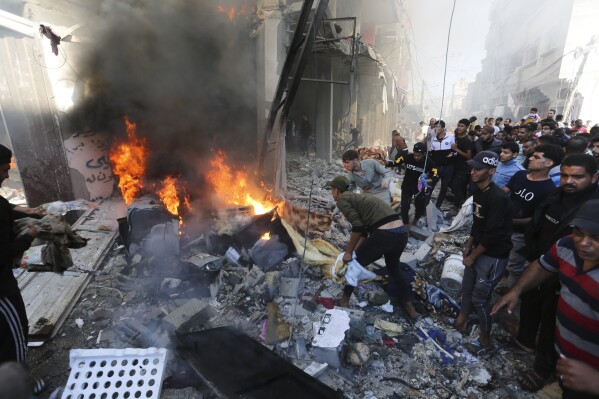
(297, 217)
(377, 154)
(463, 218)
(317, 252)
(354, 273)
(59, 237)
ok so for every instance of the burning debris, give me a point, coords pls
(275, 292)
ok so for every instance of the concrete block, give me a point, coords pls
(316, 369)
(289, 287)
(418, 233)
(409, 259)
(431, 216)
(192, 314)
(423, 251)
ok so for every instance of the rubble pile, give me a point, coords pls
(370, 350)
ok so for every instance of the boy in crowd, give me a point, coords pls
(509, 164)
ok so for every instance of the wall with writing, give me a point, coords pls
(87, 153)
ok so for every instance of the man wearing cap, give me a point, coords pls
(13, 318)
(376, 231)
(416, 165)
(575, 260)
(488, 247)
(367, 174)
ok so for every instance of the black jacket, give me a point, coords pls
(10, 247)
(534, 247)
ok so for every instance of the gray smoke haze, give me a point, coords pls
(180, 70)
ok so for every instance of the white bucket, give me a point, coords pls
(453, 273)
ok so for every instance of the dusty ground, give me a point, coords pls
(404, 367)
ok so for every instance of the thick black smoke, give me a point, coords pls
(181, 70)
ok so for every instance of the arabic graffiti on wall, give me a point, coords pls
(88, 154)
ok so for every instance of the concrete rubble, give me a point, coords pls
(141, 301)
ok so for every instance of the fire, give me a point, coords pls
(169, 196)
(265, 236)
(233, 12)
(235, 188)
(128, 159)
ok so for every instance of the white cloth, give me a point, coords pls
(463, 217)
(354, 273)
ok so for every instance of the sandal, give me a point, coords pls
(513, 342)
(531, 381)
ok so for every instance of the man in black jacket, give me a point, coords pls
(487, 141)
(416, 164)
(488, 247)
(13, 319)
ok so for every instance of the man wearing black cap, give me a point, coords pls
(488, 247)
(416, 165)
(376, 231)
(575, 259)
(13, 319)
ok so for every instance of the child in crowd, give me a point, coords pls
(533, 116)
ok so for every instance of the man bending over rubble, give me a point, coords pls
(376, 231)
(487, 249)
(368, 174)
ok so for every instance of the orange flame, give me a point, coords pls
(233, 12)
(169, 196)
(265, 236)
(128, 159)
(235, 188)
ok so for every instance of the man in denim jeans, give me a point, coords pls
(488, 247)
(377, 230)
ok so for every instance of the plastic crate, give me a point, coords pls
(115, 373)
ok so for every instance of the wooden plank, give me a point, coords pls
(47, 298)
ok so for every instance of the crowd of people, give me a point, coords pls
(534, 238)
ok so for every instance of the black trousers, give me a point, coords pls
(390, 245)
(13, 329)
(446, 173)
(459, 185)
(537, 315)
(420, 202)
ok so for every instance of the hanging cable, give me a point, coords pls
(429, 139)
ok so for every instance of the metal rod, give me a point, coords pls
(325, 81)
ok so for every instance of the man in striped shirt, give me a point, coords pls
(576, 260)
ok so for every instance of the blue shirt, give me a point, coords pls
(505, 171)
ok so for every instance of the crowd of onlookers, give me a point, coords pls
(534, 239)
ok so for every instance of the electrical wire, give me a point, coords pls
(446, 56)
